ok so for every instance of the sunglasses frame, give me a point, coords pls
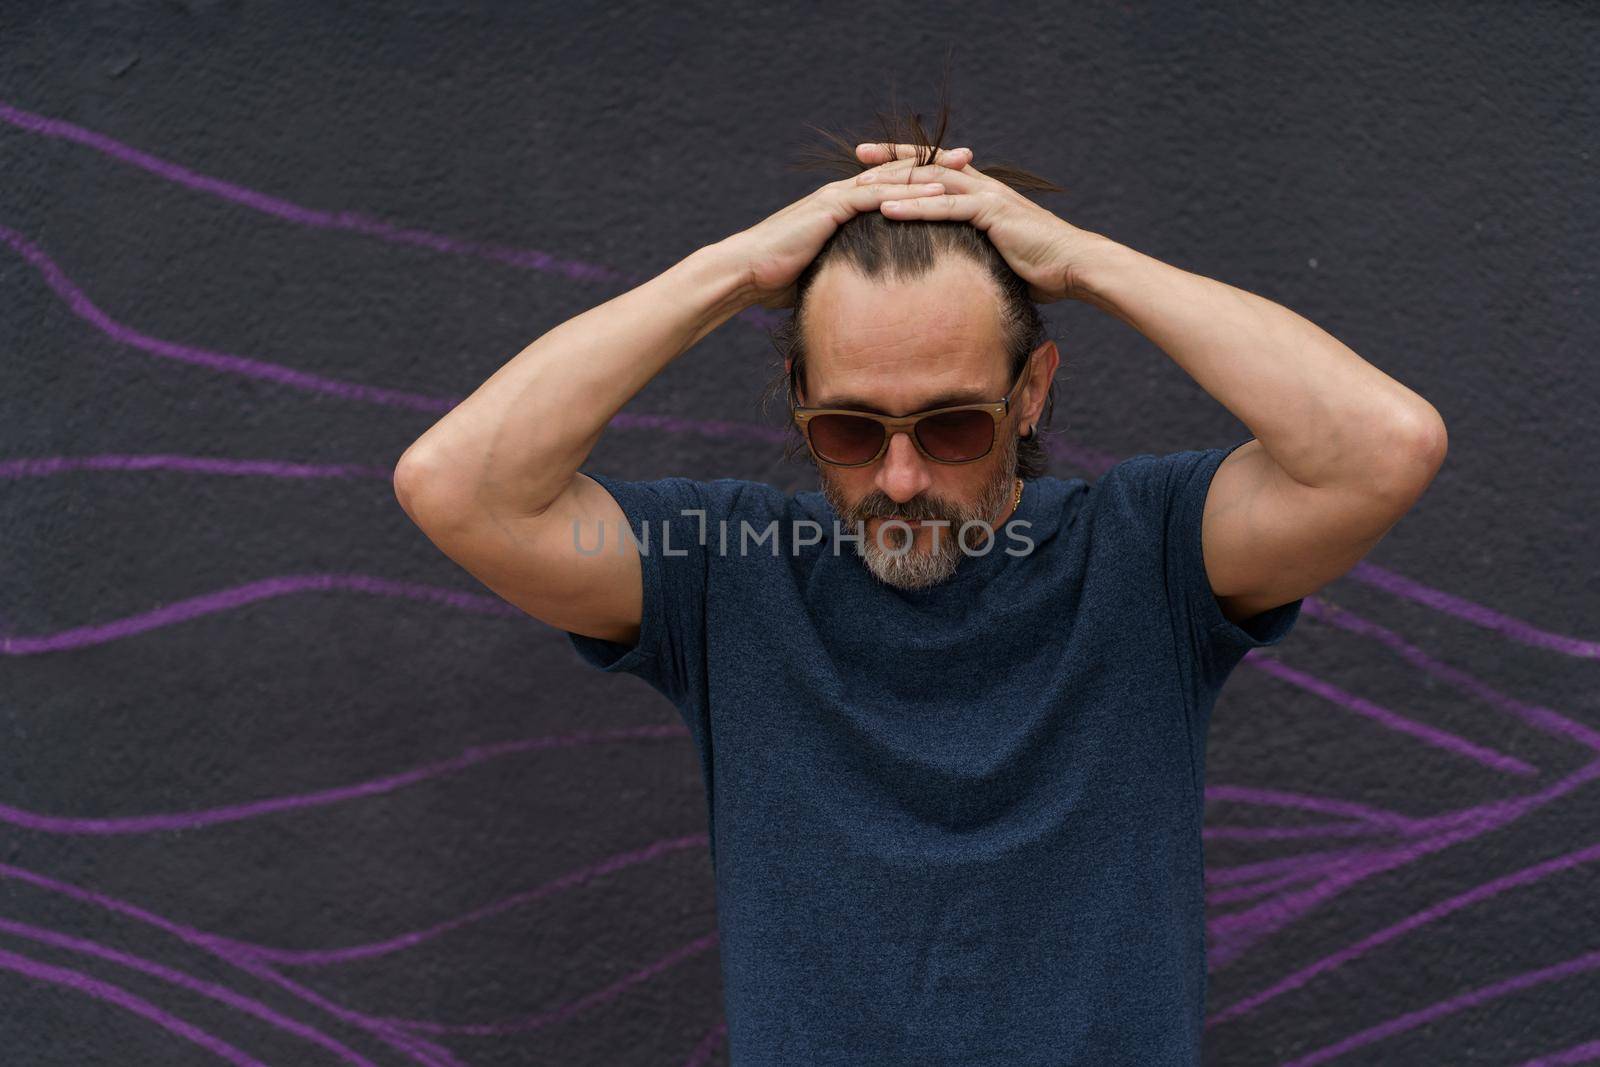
(893, 424)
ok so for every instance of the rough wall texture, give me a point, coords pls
(280, 783)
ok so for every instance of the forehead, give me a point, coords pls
(902, 345)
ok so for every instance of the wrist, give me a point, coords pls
(720, 278)
(1093, 267)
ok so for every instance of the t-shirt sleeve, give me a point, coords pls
(1170, 494)
(1219, 643)
(670, 651)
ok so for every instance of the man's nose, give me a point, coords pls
(903, 471)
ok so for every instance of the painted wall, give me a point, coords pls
(280, 783)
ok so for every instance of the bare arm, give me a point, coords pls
(1342, 450)
(494, 483)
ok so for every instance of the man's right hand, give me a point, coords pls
(778, 249)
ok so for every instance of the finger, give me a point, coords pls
(869, 197)
(946, 206)
(905, 171)
(881, 153)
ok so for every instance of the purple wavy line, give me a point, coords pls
(1278, 798)
(84, 308)
(80, 304)
(1430, 735)
(581, 876)
(1589, 961)
(248, 956)
(1289, 833)
(1587, 1052)
(498, 603)
(175, 977)
(701, 1054)
(193, 820)
(1535, 716)
(1517, 879)
(1245, 872)
(566, 1011)
(1544, 719)
(1233, 934)
(760, 317)
(1088, 459)
(113, 994)
(292, 212)
(240, 595)
(1219, 895)
(22, 468)
(1401, 586)
(417, 1047)
(349, 221)
(1388, 580)
(1539, 718)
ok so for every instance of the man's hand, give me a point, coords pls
(1045, 251)
(778, 249)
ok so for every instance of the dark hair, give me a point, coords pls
(876, 246)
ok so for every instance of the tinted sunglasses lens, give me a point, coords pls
(957, 436)
(845, 438)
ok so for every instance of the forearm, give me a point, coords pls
(1325, 415)
(515, 443)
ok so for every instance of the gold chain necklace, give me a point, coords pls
(1016, 500)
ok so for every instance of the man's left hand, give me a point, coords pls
(1044, 250)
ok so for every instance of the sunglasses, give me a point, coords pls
(845, 438)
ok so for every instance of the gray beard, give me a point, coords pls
(923, 565)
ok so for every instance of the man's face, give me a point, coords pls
(896, 347)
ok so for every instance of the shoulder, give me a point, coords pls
(1149, 468)
(677, 493)
(1151, 483)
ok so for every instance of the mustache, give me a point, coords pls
(879, 506)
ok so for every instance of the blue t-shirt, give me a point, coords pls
(957, 825)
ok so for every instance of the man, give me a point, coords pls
(951, 715)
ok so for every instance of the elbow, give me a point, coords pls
(1427, 439)
(1418, 451)
(418, 486)
(408, 472)
(405, 493)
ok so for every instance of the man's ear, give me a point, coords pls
(799, 386)
(1046, 358)
(1049, 358)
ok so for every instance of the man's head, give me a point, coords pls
(923, 333)
(901, 315)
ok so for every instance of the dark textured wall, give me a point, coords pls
(280, 783)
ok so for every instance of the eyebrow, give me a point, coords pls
(943, 400)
